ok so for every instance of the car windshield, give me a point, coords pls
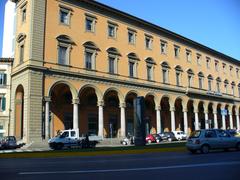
(195, 134)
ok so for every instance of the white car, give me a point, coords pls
(180, 135)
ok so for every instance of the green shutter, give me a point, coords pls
(3, 103)
(4, 79)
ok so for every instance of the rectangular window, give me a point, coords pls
(208, 61)
(131, 69)
(3, 79)
(178, 78)
(218, 87)
(64, 16)
(148, 42)
(112, 30)
(200, 83)
(237, 72)
(149, 72)
(230, 69)
(2, 103)
(189, 55)
(111, 65)
(198, 59)
(131, 37)
(210, 85)
(21, 56)
(224, 67)
(165, 76)
(163, 47)
(88, 60)
(190, 80)
(89, 25)
(225, 88)
(62, 55)
(176, 51)
(233, 92)
(24, 15)
(216, 65)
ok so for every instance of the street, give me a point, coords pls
(215, 165)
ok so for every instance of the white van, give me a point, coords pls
(180, 135)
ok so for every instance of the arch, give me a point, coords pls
(133, 56)
(131, 92)
(200, 74)
(190, 71)
(150, 60)
(19, 112)
(91, 45)
(113, 50)
(178, 68)
(156, 98)
(210, 77)
(71, 87)
(97, 91)
(21, 37)
(65, 39)
(165, 64)
(120, 95)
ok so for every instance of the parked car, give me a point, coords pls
(234, 132)
(180, 135)
(127, 140)
(8, 142)
(208, 139)
(168, 136)
(153, 138)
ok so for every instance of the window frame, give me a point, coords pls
(163, 47)
(134, 68)
(148, 42)
(115, 27)
(177, 51)
(189, 55)
(93, 19)
(133, 34)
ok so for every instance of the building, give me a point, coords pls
(5, 89)
(80, 64)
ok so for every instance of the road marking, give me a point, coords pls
(132, 169)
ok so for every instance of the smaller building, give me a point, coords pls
(5, 86)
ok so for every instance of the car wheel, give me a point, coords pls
(238, 146)
(193, 151)
(157, 141)
(149, 141)
(205, 149)
(169, 139)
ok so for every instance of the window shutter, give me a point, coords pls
(3, 103)
(5, 79)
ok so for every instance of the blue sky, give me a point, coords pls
(213, 23)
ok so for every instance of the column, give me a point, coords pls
(185, 119)
(196, 120)
(231, 120)
(237, 119)
(206, 120)
(100, 118)
(158, 115)
(47, 102)
(75, 103)
(223, 120)
(123, 120)
(215, 119)
(172, 109)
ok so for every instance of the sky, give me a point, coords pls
(213, 23)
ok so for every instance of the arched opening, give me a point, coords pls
(234, 117)
(19, 112)
(227, 117)
(179, 115)
(88, 111)
(219, 116)
(165, 115)
(210, 116)
(150, 115)
(111, 114)
(191, 117)
(130, 113)
(61, 108)
(201, 115)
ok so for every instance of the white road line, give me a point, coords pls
(133, 169)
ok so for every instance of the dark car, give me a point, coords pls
(9, 142)
(234, 132)
(151, 138)
(168, 136)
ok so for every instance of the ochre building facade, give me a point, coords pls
(79, 64)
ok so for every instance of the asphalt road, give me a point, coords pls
(164, 166)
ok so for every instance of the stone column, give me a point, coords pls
(206, 120)
(196, 120)
(237, 119)
(231, 119)
(172, 109)
(75, 103)
(158, 115)
(215, 119)
(47, 103)
(123, 120)
(185, 121)
(100, 118)
(223, 120)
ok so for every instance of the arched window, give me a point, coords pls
(165, 72)
(210, 79)
(21, 46)
(190, 77)
(200, 80)
(132, 62)
(218, 84)
(233, 88)
(64, 48)
(179, 71)
(113, 56)
(150, 68)
(226, 86)
(90, 55)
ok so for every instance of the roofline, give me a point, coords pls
(160, 29)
